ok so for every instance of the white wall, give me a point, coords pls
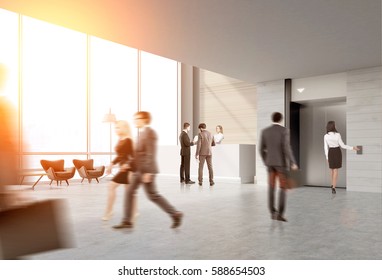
(230, 103)
(364, 127)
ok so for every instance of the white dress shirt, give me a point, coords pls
(218, 138)
(333, 140)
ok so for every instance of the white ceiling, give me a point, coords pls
(251, 40)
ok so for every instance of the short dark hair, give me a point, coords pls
(185, 125)
(331, 127)
(202, 126)
(277, 117)
(144, 115)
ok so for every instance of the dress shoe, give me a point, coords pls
(177, 219)
(274, 216)
(190, 182)
(123, 225)
(200, 184)
(281, 218)
(182, 181)
(211, 184)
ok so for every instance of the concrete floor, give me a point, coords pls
(230, 221)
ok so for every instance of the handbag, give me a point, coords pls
(293, 178)
(36, 227)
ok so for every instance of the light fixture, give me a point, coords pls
(110, 118)
(300, 90)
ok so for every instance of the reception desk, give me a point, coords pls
(231, 162)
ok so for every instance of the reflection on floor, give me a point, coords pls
(230, 221)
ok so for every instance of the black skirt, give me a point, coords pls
(121, 177)
(335, 158)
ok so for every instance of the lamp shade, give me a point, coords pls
(110, 118)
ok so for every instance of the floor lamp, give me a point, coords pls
(109, 118)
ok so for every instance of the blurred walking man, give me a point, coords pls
(277, 155)
(144, 166)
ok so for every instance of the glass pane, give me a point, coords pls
(53, 88)
(113, 86)
(159, 92)
(101, 160)
(9, 49)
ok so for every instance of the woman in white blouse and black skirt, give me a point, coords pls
(332, 144)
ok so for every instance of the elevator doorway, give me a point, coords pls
(313, 119)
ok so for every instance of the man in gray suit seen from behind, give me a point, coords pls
(276, 152)
(204, 153)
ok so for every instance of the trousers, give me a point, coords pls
(202, 159)
(185, 168)
(152, 194)
(277, 172)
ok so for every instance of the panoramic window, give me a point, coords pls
(53, 87)
(64, 83)
(113, 88)
(9, 54)
(159, 95)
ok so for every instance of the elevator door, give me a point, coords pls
(313, 120)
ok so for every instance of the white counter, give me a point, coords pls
(231, 162)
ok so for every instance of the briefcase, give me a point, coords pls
(37, 227)
(293, 178)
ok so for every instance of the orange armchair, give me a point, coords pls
(87, 171)
(56, 171)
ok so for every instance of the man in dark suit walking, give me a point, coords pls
(185, 154)
(145, 167)
(277, 155)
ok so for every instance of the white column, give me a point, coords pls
(270, 98)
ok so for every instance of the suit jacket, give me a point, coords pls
(275, 147)
(145, 152)
(205, 141)
(185, 144)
